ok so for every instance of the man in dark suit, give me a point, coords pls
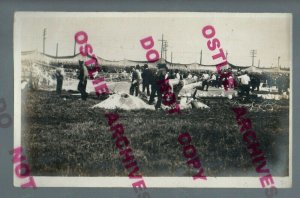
(135, 81)
(83, 75)
(146, 75)
(156, 85)
(59, 81)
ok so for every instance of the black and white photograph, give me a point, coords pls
(182, 99)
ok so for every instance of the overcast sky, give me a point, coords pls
(115, 36)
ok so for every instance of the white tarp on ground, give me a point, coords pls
(127, 102)
(185, 103)
(189, 89)
(123, 101)
(273, 96)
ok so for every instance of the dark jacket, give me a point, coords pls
(146, 75)
(83, 73)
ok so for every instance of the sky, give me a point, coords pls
(116, 36)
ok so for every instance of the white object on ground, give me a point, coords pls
(273, 96)
(123, 101)
(186, 104)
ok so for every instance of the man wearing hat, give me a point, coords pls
(159, 77)
(59, 81)
(83, 75)
(135, 81)
(146, 75)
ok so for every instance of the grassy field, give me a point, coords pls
(68, 138)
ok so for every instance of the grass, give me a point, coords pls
(68, 138)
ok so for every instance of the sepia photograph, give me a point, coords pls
(179, 99)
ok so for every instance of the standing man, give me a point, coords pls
(146, 75)
(245, 84)
(83, 75)
(213, 79)
(255, 82)
(280, 83)
(59, 81)
(178, 75)
(135, 81)
(158, 80)
(205, 78)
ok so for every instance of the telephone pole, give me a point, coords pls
(166, 49)
(171, 59)
(253, 54)
(164, 45)
(201, 57)
(226, 54)
(56, 49)
(44, 39)
(278, 62)
(74, 46)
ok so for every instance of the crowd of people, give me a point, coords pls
(150, 80)
(144, 81)
(242, 81)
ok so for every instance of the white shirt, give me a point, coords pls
(213, 77)
(205, 76)
(167, 75)
(139, 73)
(245, 79)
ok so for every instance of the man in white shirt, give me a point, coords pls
(245, 83)
(177, 75)
(205, 78)
(213, 79)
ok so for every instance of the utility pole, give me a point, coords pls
(166, 49)
(253, 54)
(201, 57)
(226, 54)
(44, 39)
(278, 62)
(74, 46)
(56, 49)
(162, 45)
(172, 59)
